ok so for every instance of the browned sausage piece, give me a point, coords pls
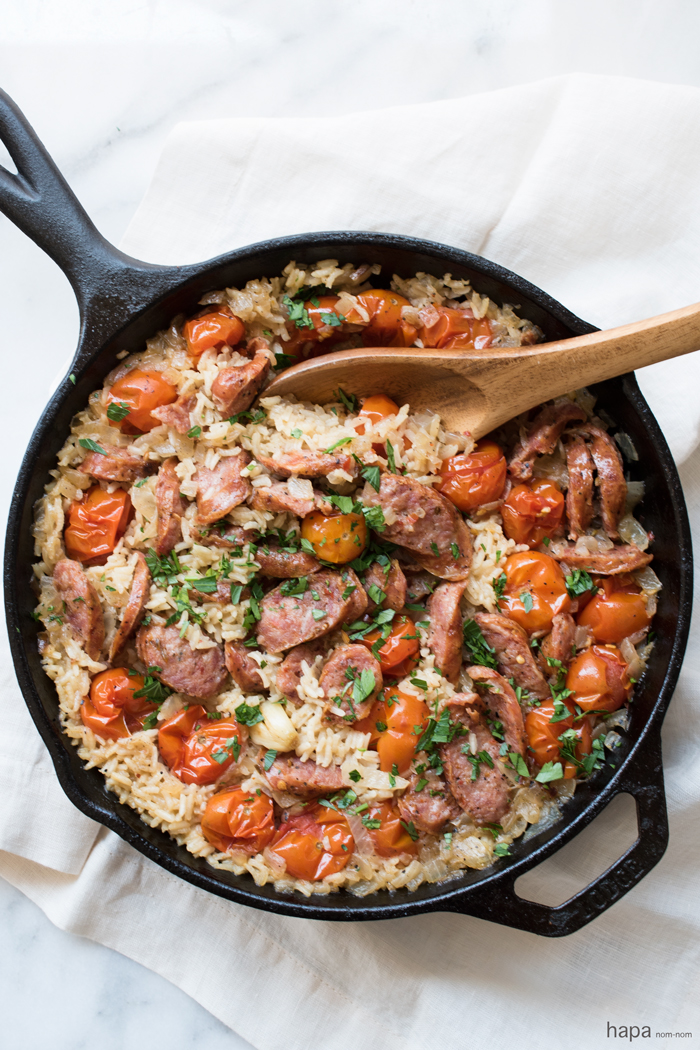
(305, 779)
(288, 620)
(223, 488)
(81, 605)
(307, 462)
(420, 584)
(500, 699)
(619, 559)
(242, 667)
(118, 465)
(430, 808)
(235, 388)
(542, 435)
(341, 671)
(171, 507)
(445, 633)
(455, 562)
(140, 589)
(579, 495)
(390, 580)
(177, 414)
(284, 565)
(290, 671)
(196, 672)
(224, 535)
(612, 486)
(486, 798)
(277, 498)
(222, 594)
(558, 644)
(513, 653)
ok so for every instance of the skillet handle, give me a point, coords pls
(41, 203)
(644, 780)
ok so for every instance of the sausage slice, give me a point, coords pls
(195, 672)
(307, 462)
(486, 796)
(431, 807)
(390, 580)
(500, 699)
(284, 565)
(140, 589)
(612, 486)
(242, 667)
(579, 495)
(559, 643)
(542, 435)
(305, 779)
(81, 605)
(235, 388)
(513, 653)
(339, 675)
(223, 488)
(277, 498)
(171, 507)
(177, 413)
(118, 465)
(330, 598)
(445, 633)
(290, 671)
(619, 559)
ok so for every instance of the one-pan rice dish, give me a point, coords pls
(337, 646)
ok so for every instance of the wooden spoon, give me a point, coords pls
(475, 391)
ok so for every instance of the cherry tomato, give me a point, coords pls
(221, 328)
(386, 326)
(376, 409)
(301, 843)
(395, 725)
(338, 538)
(390, 838)
(140, 392)
(543, 736)
(401, 643)
(456, 329)
(327, 327)
(535, 590)
(95, 524)
(599, 679)
(472, 480)
(112, 710)
(199, 749)
(618, 610)
(532, 512)
(238, 819)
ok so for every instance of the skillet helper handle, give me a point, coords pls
(41, 203)
(645, 782)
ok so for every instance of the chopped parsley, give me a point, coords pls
(281, 361)
(165, 569)
(269, 759)
(92, 446)
(499, 585)
(349, 400)
(298, 313)
(231, 749)
(72, 378)
(194, 432)
(455, 550)
(550, 771)
(501, 849)
(578, 583)
(372, 476)
(248, 715)
(411, 829)
(372, 823)
(338, 444)
(526, 599)
(390, 456)
(117, 410)
(318, 614)
(518, 763)
(478, 648)
(296, 433)
(355, 775)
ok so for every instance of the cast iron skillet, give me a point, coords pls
(122, 302)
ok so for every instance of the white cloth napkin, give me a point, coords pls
(589, 187)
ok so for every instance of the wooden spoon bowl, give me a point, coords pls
(475, 391)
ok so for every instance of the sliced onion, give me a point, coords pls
(619, 719)
(364, 846)
(583, 637)
(635, 667)
(647, 579)
(632, 532)
(635, 494)
(300, 488)
(626, 446)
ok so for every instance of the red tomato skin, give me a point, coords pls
(217, 329)
(186, 742)
(539, 575)
(470, 481)
(111, 710)
(405, 716)
(454, 329)
(386, 326)
(543, 735)
(533, 512)
(391, 838)
(95, 524)
(299, 843)
(599, 679)
(399, 646)
(235, 819)
(618, 610)
(142, 392)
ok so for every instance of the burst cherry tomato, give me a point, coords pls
(376, 409)
(390, 838)
(95, 524)
(221, 328)
(199, 749)
(452, 329)
(401, 644)
(386, 326)
(238, 819)
(618, 610)
(599, 679)
(141, 392)
(535, 590)
(338, 538)
(113, 710)
(395, 725)
(543, 736)
(472, 480)
(314, 844)
(532, 512)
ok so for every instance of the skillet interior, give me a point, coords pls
(487, 893)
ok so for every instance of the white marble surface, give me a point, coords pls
(103, 84)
